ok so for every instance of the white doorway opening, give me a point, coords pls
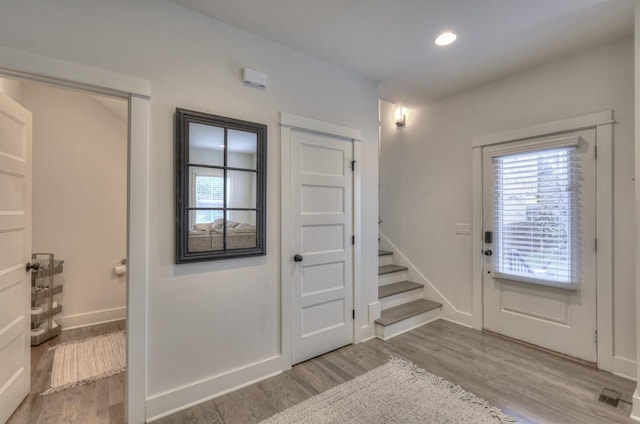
(27, 66)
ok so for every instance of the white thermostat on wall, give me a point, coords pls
(254, 78)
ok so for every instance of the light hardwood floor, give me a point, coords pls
(95, 403)
(531, 385)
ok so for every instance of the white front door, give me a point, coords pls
(540, 255)
(321, 243)
(15, 251)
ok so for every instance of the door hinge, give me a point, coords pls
(353, 240)
(596, 337)
(353, 313)
(353, 165)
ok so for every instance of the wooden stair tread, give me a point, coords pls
(384, 252)
(388, 269)
(395, 288)
(407, 310)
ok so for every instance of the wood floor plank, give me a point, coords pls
(233, 409)
(406, 310)
(388, 269)
(397, 288)
(283, 391)
(531, 385)
(100, 402)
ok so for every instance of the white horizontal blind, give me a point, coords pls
(536, 216)
(209, 194)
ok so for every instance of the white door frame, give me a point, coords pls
(22, 65)
(287, 123)
(602, 122)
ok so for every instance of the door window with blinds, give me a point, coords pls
(537, 208)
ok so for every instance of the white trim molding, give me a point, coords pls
(289, 122)
(303, 123)
(137, 259)
(624, 367)
(591, 120)
(32, 67)
(602, 122)
(635, 412)
(69, 322)
(181, 398)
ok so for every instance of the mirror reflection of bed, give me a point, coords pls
(209, 235)
(231, 190)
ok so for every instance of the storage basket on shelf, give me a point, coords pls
(43, 268)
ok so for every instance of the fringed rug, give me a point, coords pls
(397, 392)
(87, 360)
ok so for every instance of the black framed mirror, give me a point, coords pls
(221, 187)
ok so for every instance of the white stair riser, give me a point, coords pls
(385, 260)
(385, 333)
(401, 298)
(394, 277)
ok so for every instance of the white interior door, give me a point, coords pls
(540, 278)
(321, 236)
(15, 250)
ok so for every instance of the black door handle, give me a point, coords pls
(298, 258)
(488, 252)
(32, 267)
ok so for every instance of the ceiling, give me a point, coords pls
(391, 41)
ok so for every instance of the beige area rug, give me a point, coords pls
(396, 393)
(87, 360)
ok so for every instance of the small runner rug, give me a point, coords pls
(397, 392)
(87, 360)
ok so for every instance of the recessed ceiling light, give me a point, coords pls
(445, 38)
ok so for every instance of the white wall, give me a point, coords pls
(212, 325)
(425, 169)
(80, 199)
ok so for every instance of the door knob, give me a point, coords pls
(297, 258)
(488, 252)
(32, 267)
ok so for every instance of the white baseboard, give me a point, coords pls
(180, 398)
(431, 292)
(635, 412)
(625, 368)
(69, 322)
(457, 322)
(366, 331)
(369, 337)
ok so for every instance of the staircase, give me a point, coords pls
(402, 303)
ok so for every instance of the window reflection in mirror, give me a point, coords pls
(220, 187)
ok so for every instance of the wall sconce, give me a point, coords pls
(400, 116)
